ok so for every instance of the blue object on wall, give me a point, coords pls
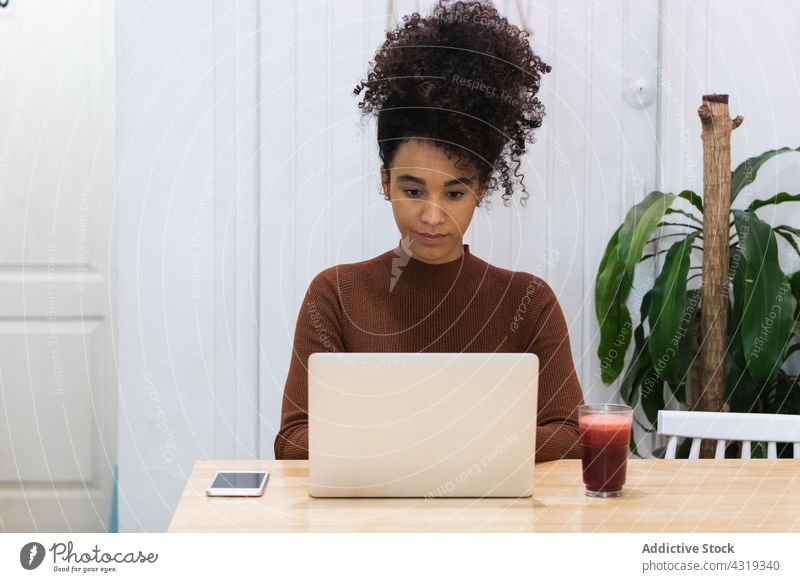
(113, 522)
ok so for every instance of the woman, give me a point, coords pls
(455, 98)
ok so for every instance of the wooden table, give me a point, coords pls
(706, 495)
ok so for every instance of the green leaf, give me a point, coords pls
(668, 332)
(662, 251)
(741, 391)
(794, 281)
(784, 395)
(777, 199)
(695, 200)
(678, 391)
(661, 237)
(646, 381)
(640, 363)
(736, 274)
(691, 312)
(640, 223)
(789, 236)
(684, 213)
(789, 233)
(610, 293)
(652, 396)
(746, 172)
(632, 380)
(766, 308)
(696, 227)
(791, 229)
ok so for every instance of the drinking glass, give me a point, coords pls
(605, 431)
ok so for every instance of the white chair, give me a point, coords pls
(729, 426)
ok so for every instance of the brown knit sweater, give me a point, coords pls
(397, 303)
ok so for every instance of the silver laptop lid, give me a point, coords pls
(422, 424)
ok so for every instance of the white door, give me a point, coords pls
(57, 379)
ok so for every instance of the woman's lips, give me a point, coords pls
(431, 240)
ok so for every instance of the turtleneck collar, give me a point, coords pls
(412, 266)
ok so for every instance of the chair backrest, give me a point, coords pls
(729, 426)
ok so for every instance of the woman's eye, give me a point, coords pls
(455, 195)
(413, 193)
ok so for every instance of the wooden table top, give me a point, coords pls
(706, 495)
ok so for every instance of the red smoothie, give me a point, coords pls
(604, 440)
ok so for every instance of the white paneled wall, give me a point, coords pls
(243, 173)
(167, 197)
(320, 203)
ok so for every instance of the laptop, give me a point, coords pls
(422, 424)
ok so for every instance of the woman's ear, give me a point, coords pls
(481, 195)
(385, 182)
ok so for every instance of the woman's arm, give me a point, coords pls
(318, 329)
(560, 391)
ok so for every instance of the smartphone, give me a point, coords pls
(238, 484)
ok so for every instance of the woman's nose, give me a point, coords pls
(433, 213)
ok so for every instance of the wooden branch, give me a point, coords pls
(716, 135)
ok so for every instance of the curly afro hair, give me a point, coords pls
(464, 77)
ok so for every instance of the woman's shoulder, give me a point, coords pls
(531, 301)
(520, 281)
(345, 269)
(339, 277)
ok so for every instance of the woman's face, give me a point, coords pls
(430, 195)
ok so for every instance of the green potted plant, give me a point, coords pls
(763, 303)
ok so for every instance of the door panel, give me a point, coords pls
(57, 380)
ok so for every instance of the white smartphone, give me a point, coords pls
(238, 484)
